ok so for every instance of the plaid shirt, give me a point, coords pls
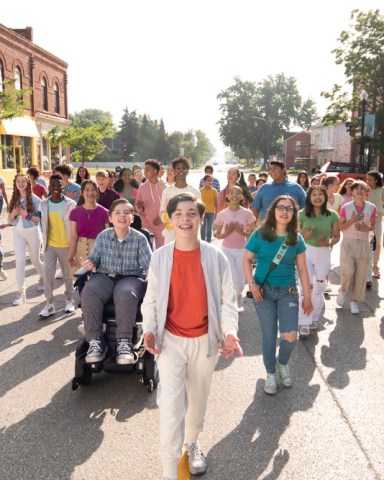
(129, 257)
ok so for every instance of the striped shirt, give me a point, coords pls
(128, 257)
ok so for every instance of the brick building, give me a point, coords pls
(24, 139)
(296, 145)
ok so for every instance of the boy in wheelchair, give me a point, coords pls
(121, 257)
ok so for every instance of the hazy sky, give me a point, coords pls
(170, 58)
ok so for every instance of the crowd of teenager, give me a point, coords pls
(143, 225)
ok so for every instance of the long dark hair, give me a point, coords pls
(309, 209)
(268, 229)
(306, 183)
(16, 197)
(343, 188)
(79, 179)
(84, 183)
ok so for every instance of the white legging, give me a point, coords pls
(318, 265)
(235, 258)
(23, 237)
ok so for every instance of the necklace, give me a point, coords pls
(89, 212)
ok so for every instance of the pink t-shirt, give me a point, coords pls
(367, 211)
(243, 216)
(89, 222)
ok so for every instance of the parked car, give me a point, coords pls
(343, 170)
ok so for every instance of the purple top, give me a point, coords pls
(89, 222)
(106, 198)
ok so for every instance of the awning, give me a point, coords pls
(20, 126)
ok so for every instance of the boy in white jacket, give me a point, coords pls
(189, 308)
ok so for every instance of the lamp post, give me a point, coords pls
(363, 98)
(267, 139)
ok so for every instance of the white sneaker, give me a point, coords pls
(327, 288)
(354, 308)
(270, 384)
(59, 275)
(47, 311)
(304, 330)
(3, 274)
(340, 299)
(19, 299)
(69, 306)
(196, 460)
(40, 285)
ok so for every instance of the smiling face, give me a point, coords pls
(21, 183)
(90, 193)
(371, 182)
(122, 216)
(276, 173)
(317, 197)
(56, 188)
(284, 212)
(181, 171)
(232, 176)
(235, 195)
(102, 183)
(126, 177)
(82, 172)
(186, 220)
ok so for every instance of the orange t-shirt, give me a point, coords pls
(187, 313)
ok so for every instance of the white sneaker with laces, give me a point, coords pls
(19, 299)
(270, 384)
(196, 460)
(69, 306)
(59, 275)
(3, 274)
(354, 308)
(304, 330)
(327, 288)
(340, 299)
(47, 311)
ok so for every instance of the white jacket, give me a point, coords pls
(43, 209)
(222, 306)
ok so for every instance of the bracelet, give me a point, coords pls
(28, 216)
(252, 283)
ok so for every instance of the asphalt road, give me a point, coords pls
(328, 425)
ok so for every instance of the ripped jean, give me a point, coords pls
(279, 309)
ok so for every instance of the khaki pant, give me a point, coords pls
(354, 266)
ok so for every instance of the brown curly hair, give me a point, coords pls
(15, 200)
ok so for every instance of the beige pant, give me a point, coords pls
(83, 249)
(185, 380)
(354, 266)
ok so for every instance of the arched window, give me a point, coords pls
(18, 82)
(44, 94)
(57, 98)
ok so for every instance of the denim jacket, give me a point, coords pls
(35, 209)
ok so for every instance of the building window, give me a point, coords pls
(44, 94)
(57, 98)
(18, 83)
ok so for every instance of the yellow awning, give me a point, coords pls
(20, 126)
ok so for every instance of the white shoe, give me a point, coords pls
(48, 310)
(354, 308)
(59, 275)
(69, 306)
(340, 299)
(3, 274)
(40, 285)
(327, 288)
(19, 299)
(304, 330)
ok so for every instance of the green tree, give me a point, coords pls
(162, 145)
(128, 133)
(86, 143)
(254, 116)
(90, 117)
(13, 101)
(146, 138)
(360, 51)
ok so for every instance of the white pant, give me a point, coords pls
(23, 237)
(318, 265)
(235, 258)
(185, 380)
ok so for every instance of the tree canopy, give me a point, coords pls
(12, 100)
(254, 116)
(360, 51)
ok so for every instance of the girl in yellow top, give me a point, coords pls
(209, 197)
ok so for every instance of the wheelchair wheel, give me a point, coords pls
(151, 373)
(83, 375)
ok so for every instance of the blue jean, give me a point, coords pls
(279, 308)
(1, 204)
(206, 227)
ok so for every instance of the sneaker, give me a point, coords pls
(340, 299)
(59, 275)
(304, 330)
(69, 306)
(313, 326)
(81, 328)
(354, 308)
(47, 311)
(284, 374)
(124, 355)
(327, 288)
(40, 285)
(270, 384)
(19, 299)
(3, 274)
(196, 461)
(97, 349)
(376, 271)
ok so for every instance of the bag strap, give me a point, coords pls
(277, 259)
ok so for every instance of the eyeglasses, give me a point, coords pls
(282, 208)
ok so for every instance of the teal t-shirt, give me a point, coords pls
(323, 226)
(284, 274)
